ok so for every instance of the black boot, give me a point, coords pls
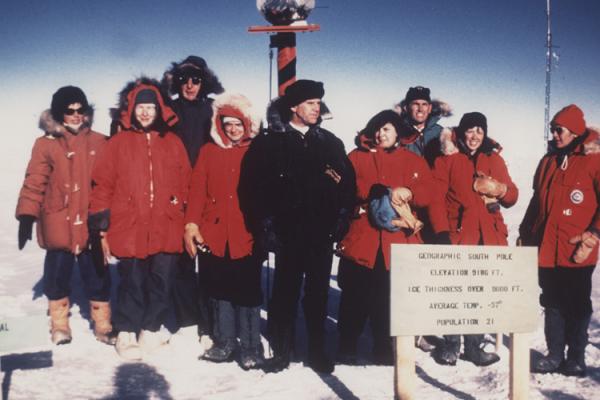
(554, 330)
(281, 342)
(383, 351)
(475, 354)
(577, 338)
(225, 345)
(447, 353)
(251, 349)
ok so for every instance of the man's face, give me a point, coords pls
(145, 113)
(562, 136)
(73, 114)
(307, 113)
(190, 87)
(234, 130)
(419, 111)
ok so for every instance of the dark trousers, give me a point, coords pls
(190, 299)
(567, 289)
(365, 296)
(58, 267)
(144, 292)
(295, 264)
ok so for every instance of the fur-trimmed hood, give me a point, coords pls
(238, 106)
(592, 144)
(210, 81)
(451, 144)
(125, 109)
(55, 128)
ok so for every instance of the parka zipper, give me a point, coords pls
(148, 137)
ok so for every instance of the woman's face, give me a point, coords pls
(562, 136)
(234, 130)
(145, 113)
(74, 114)
(474, 138)
(386, 136)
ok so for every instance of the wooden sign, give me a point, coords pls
(20, 333)
(438, 290)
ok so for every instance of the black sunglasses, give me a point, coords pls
(71, 111)
(184, 78)
(557, 129)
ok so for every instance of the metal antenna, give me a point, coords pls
(548, 76)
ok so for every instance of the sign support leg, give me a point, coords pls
(404, 371)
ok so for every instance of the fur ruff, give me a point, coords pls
(54, 128)
(241, 108)
(592, 145)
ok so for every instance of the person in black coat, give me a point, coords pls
(297, 191)
(190, 82)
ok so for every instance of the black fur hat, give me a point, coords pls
(302, 90)
(210, 81)
(63, 97)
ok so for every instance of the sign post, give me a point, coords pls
(441, 290)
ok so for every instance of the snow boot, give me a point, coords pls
(447, 353)
(554, 330)
(421, 342)
(251, 354)
(150, 341)
(223, 350)
(281, 341)
(577, 339)
(60, 331)
(100, 312)
(475, 353)
(128, 347)
(319, 362)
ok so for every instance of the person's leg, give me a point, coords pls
(379, 313)
(554, 321)
(185, 292)
(314, 303)
(249, 332)
(287, 283)
(447, 352)
(577, 291)
(224, 318)
(97, 289)
(58, 267)
(354, 281)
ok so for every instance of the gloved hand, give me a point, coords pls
(401, 195)
(25, 229)
(586, 242)
(443, 238)
(488, 186)
(342, 226)
(406, 218)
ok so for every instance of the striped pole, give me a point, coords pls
(285, 42)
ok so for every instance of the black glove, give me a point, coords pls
(25, 228)
(377, 191)
(342, 226)
(95, 244)
(443, 238)
(266, 238)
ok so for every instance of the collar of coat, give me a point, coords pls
(54, 129)
(450, 144)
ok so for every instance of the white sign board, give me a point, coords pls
(19, 333)
(439, 290)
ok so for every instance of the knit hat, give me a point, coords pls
(570, 117)
(382, 118)
(303, 90)
(65, 96)
(417, 93)
(146, 96)
(471, 120)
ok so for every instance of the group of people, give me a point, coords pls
(191, 193)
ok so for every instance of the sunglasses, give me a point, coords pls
(557, 129)
(196, 80)
(71, 111)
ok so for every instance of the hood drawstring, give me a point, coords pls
(565, 163)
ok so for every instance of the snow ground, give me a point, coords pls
(87, 369)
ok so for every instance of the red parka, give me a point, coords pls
(470, 221)
(142, 178)
(564, 203)
(395, 168)
(57, 184)
(213, 201)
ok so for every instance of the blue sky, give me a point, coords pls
(475, 54)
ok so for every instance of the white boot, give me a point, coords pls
(127, 346)
(205, 344)
(151, 341)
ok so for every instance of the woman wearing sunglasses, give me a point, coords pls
(563, 220)
(55, 194)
